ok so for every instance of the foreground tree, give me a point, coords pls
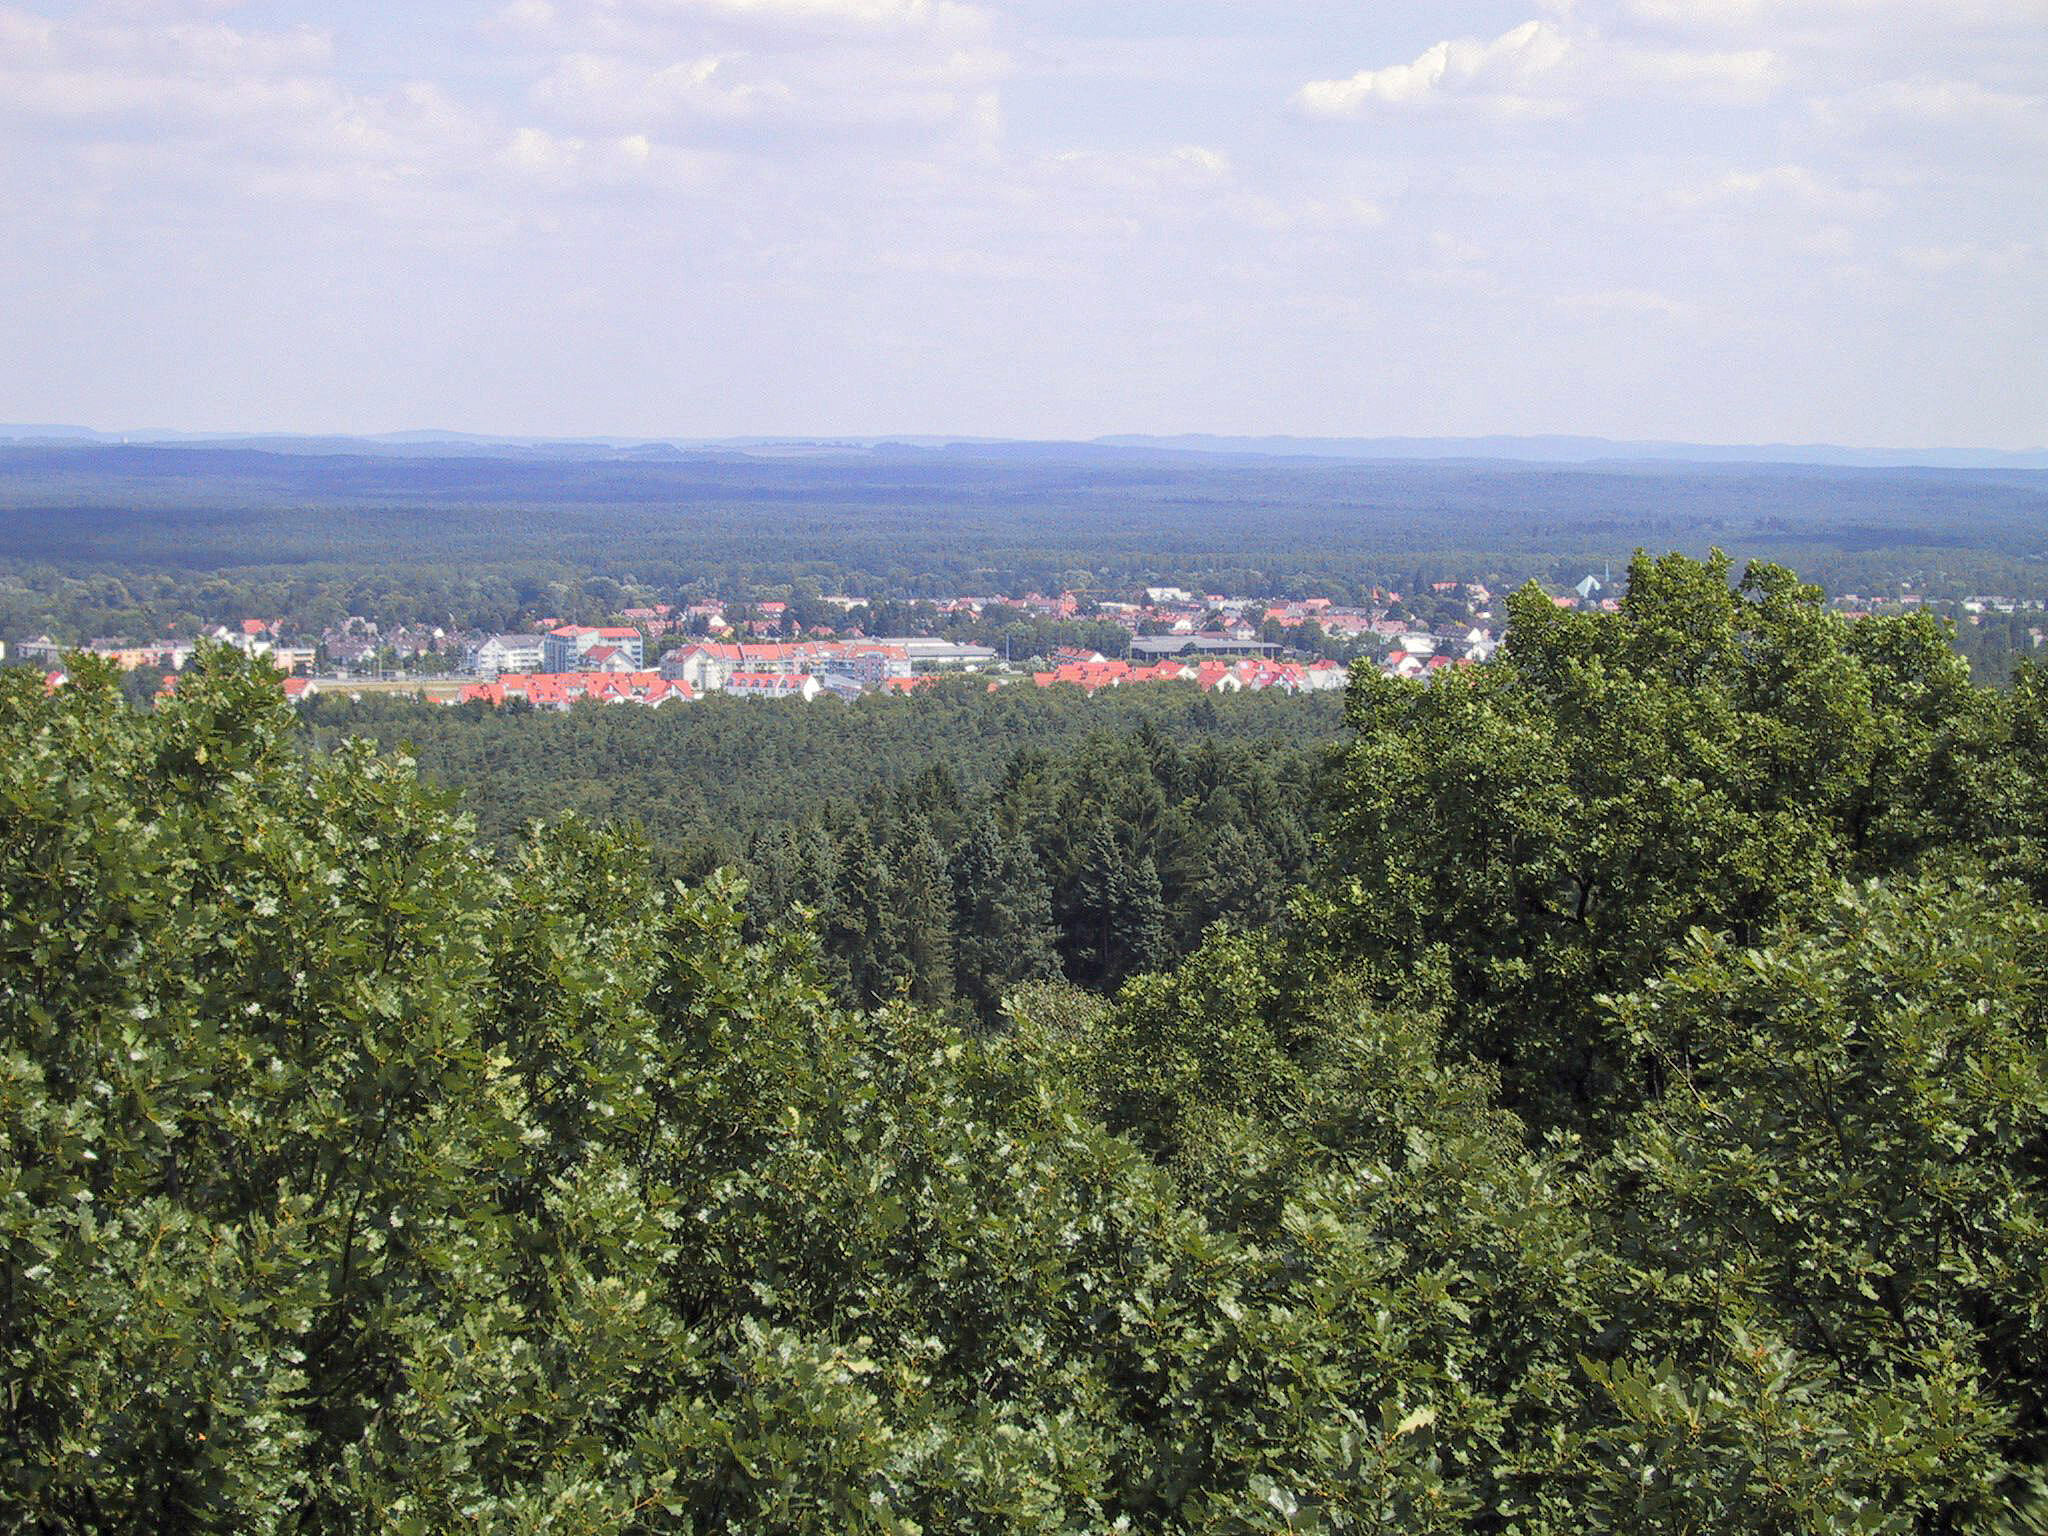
(354, 1178)
(1538, 833)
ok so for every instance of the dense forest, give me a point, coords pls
(1634, 1122)
(946, 844)
(110, 539)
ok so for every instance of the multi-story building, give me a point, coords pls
(562, 650)
(495, 655)
(704, 667)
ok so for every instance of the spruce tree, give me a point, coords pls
(921, 915)
(1004, 926)
(1138, 927)
(1100, 888)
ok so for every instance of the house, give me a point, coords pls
(560, 690)
(495, 654)
(774, 685)
(868, 665)
(252, 637)
(705, 666)
(129, 657)
(351, 653)
(1090, 676)
(1164, 672)
(562, 650)
(708, 666)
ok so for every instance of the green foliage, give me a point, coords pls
(1541, 833)
(1846, 1165)
(358, 1174)
(828, 809)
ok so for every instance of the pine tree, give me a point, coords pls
(853, 922)
(1138, 928)
(1101, 886)
(1004, 926)
(1243, 883)
(921, 917)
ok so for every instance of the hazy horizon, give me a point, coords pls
(1534, 449)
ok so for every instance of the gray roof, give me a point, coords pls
(921, 648)
(1180, 645)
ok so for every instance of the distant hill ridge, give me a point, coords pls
(1523, 450)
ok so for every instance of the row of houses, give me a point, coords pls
(254, 637)
(1247, 674)
(706, 665)
(559, 690)
(842, 666)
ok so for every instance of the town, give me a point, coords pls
(779, 648)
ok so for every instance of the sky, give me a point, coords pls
(1703, 220)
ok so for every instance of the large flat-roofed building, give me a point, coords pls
(1159, 647)
(940, 655)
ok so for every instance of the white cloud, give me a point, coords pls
(1733, 15)
(178, 70)
(176, 117)
(1751, 74)
(1190, 165)
(626, 160)
(1499, 69)
(652, 23)
(1935, 102)
(588, 85)
(926, 67)
(1791, 184)
(864, 13)
(1547, 68)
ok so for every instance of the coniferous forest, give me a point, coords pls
(945, 845)
(1628, 1112)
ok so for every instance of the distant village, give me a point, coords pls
(663, 654)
